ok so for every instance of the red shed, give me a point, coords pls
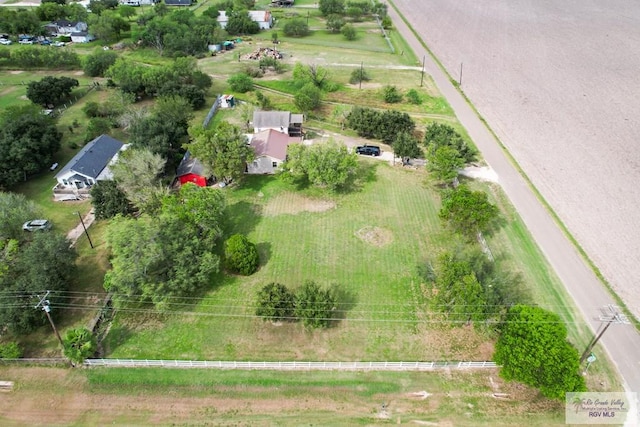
(191, 170)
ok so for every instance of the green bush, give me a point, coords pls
(241, 255)
(296, 28)
(391, 95)
(414, 97)
(314, 305)
(275, 302)
(97, 63)
(359, 75)
(240, 82)
(29, 57)
(10, 350)
(349, 32)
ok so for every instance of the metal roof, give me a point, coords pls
(271, 119)
(93, 157)
(190, 165)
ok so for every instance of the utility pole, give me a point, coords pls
(85, 229)
(460, 80)
(44, 304)
(422, 72)
(610, 315)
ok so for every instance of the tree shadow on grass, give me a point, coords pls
(242, 217)
(345, 301)
(117, 336)
(264, 252)
(365, 174)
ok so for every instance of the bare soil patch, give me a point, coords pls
(367, 85)
(8, 90)
(292, 204)
(16, 72)
(375, 236)
(49, 396)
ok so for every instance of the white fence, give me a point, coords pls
(291, 366)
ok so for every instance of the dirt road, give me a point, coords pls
(621, 342)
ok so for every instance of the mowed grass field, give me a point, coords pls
(212, 397)
(368, 242)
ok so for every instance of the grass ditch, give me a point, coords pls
(540, 197)
(171, 396)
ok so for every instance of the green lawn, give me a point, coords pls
(369, 242)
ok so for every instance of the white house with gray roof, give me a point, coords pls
(88, 166)
(282, 121)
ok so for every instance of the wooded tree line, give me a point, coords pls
(30, 264)
(30, 57)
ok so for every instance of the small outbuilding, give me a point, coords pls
(82, 37)
(227, 101)
(191, 170)
(178, 2)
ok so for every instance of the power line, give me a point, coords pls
(44, 304)
(185, 300)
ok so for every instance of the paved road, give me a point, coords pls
(622, 342)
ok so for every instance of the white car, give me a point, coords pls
(58, 44)
(26, 41)
(5, 41)
(36, 225)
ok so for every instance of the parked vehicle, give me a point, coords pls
(368, 150)
(26, 41)
(5, 41)
(36, 225)
(45, 42)
(58, 44)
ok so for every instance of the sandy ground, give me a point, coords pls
(556, 80)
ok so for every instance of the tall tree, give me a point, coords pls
(137, 173)
(275, 302)
(44, 263)
(445, 163)
(406, 147)
(438, 135)
(240, 23)
(79, 344)
(15, 209)
(468, 212)
(164, 129)
(325, 165)
(28, 141)
(331, 7)
(458, 292)
(96, 64)
(315, 305)
(222, 149)
(108, 200)
(50, 91)
(171, 254)
(533, 349)
(308, 98)
(108, 25)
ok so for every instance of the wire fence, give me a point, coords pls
(290, 366)
(212, 111)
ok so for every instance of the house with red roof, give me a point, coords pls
(270, 147)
